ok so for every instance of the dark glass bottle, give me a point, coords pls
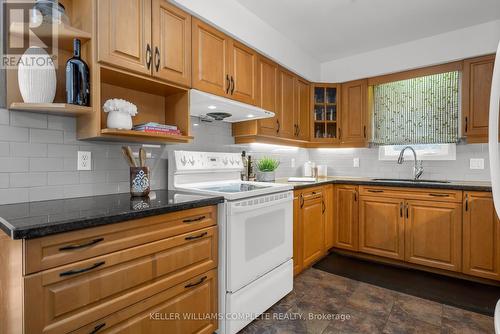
(77, 78)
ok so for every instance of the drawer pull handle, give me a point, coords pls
(375, 191)
(79, 271)
(191, 220)
(440, 195)
(190, 285)
(87, 244)
(192, 237)
(98, 328)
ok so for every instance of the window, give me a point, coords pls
(424, 152)
(423, 110)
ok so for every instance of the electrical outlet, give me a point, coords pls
(355, 162)
(84, 160)
(476, 163)
(292, 163)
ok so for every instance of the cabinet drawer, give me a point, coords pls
(441, 195)
(60, 249)
(65, 298)
(165, 312)
(312, 193)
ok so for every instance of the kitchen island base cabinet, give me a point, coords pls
(481, 236)
(381, 227)
(433, 234)
(116, 281)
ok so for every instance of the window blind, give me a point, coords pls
(422, 110)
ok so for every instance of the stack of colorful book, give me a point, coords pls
(158, 128)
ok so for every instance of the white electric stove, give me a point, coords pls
(255, 234)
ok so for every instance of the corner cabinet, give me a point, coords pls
(149, 37)
(353, 131)
(221, 65)
(324, 118)
(345, 228)
(476, 86)
(481, 236)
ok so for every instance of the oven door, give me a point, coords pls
(259, 237)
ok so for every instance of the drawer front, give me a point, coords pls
(312, 193)
(167, 311)
(440, 195)
(65, 298)
(61, 249)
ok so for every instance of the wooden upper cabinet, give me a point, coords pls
(345, 225)
(312, 223)
(286, 103)
(433, 234)
(303, 92)
(243, 73)
(172, 43)
(381, 226)
(476, 86)
(124, 34)
(267, 95)
(354, 113)
(211, 59)
(481, 236)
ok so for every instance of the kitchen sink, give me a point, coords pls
(412, 180)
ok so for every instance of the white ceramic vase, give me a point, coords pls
(36, 76)
(119, 120)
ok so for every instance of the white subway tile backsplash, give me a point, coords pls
(4, 116)
(62, 123)
(96, 177)
(4, 149)
(62, 150)
(24, 180)
(14, 195)
(46, 164)
(28, 120)
(45, 193)
(28, 150)
(10, 133)
(46, 136)
(4, 180)
(62, 178)
(14, 165)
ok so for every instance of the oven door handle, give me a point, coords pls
(237, 207)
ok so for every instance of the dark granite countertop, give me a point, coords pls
(455, 185)
(38, 219)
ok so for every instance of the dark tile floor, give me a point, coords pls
(324, 303)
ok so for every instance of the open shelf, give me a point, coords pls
(64, 109)
(65, 34)
(147, 136)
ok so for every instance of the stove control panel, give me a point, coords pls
(190, 160)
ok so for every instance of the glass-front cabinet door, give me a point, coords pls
(325, 113)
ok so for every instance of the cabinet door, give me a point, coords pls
(243, 73)
(297, 235)
(267, 95)
(354, 113)
(329, 216)
(172, 43)
(481, 233)
(313, 227)
(477, 77)
(124, 34)
(433, 234)
(381, 226)
(302, 114)
(345, 228)
(286, 103)
(211, 59)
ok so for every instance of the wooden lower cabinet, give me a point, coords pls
(169, 265)
(329, 216)
(193, 300)
(381, 226)
(297, 236)
(481, 236)
(433, 234)
(345, 228)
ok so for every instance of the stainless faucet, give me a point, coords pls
(417, 170)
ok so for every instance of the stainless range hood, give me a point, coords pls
(210, 107)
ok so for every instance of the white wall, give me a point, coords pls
(459, 44)
(240, 23)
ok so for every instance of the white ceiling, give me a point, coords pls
(334, 29)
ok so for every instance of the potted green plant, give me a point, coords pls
(266, 168)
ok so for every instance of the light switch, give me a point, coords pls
(355, 162)
(476, 163)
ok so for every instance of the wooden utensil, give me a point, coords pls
(129, 157)
(142, 157)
